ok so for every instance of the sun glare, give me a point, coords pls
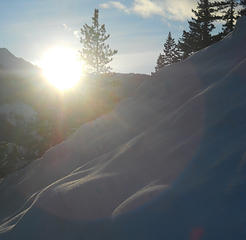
(61, 67)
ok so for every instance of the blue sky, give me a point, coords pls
(138, 28)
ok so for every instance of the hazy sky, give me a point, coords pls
(138, 28)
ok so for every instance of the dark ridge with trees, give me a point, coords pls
(200, 33)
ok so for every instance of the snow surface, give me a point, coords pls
(116, 177)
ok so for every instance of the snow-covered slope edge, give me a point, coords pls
(191, 113)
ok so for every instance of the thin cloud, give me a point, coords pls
(117, 5)
(179, 10)
(167, 9)
(66, 27)
(76, 34)
(105, 5)
(147, 8)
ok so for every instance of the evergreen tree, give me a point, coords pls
(170, 53)
(95, 52)
(200, 27)
(229, 14)
(159, 63)
(186, 44)
(243, 10)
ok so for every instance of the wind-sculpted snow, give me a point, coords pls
(167, 163)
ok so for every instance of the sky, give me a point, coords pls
(138, 28)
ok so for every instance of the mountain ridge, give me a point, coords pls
(9, 61)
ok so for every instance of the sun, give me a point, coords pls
(61, 67)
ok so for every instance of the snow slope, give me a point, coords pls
(187, 122)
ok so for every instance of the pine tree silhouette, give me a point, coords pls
(160, 62)
(243, 10)
(200, 27)
(229, 14)
(186, 44)
(170, 53)
(95, 52)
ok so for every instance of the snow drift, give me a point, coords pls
(116, 177)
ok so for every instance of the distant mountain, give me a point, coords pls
(35, 116)
(18, 78)
(20, 82)
(11, 63)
